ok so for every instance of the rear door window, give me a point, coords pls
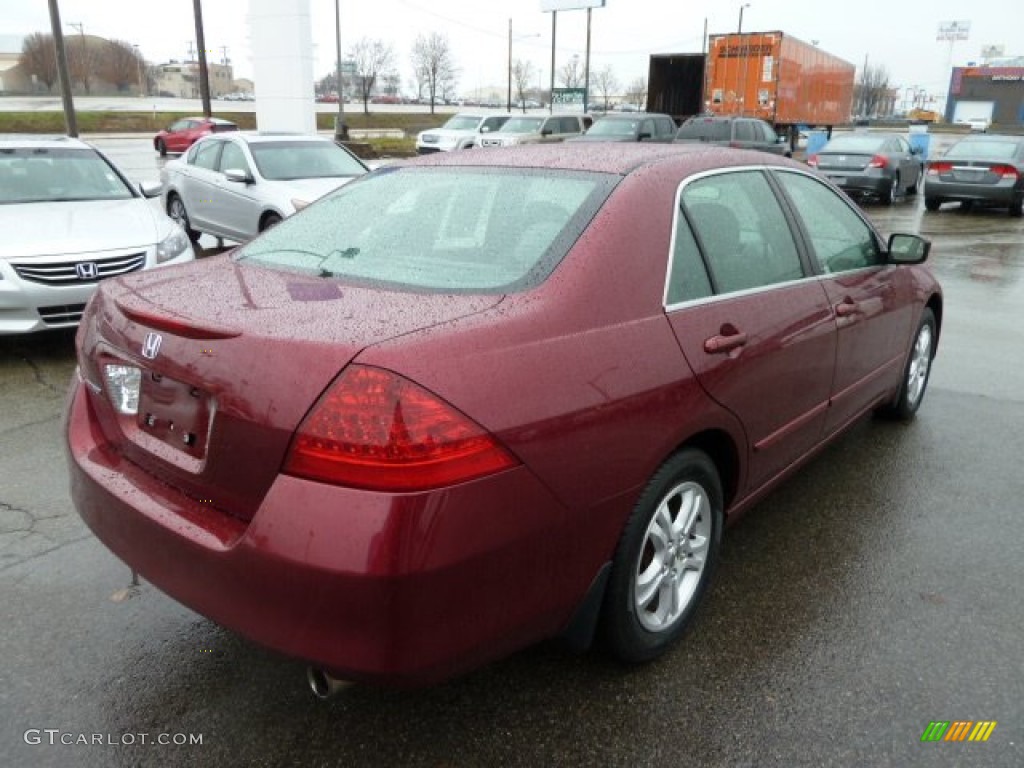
(207, 154)
(744, 131)
(743, 233)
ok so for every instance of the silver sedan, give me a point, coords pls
(70, 219)
(235, 185)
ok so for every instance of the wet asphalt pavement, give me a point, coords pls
(876, 591)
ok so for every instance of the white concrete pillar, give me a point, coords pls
(281, 40)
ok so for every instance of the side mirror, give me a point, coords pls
(485, 129)
(151, 188)
(237, 175)
(645, 136)
(546, 132)
(908, 249)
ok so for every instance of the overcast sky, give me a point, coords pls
(900, 34)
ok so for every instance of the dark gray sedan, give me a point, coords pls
(881, 165)
(636, 126)
(983, 170)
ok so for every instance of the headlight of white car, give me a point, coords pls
(172, 246)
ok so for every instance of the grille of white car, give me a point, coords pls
(80, 271)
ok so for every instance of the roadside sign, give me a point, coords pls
(563, 96)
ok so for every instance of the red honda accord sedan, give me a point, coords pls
(482, 399)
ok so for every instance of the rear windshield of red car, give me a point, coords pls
(221, 127)
(445, 230)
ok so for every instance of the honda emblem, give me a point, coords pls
(151, 346)
(87, 270)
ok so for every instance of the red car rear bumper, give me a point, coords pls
(401, 589)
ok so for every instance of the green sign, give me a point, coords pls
(568, 95)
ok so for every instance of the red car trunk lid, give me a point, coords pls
(231, 358)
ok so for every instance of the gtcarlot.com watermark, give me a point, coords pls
(55, 736)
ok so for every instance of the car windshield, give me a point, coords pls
(37, 174)
(854, 144)
(289, 160)
(522, 125)
(613, 128)
(448, 230)
(705, 130)
(462, 123)
(982, 150)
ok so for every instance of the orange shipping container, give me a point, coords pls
(777, 78)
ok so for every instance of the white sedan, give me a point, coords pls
(70, 219)
(235, 185)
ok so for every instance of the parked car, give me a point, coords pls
(640, 126)
(738, 132)
(236, 185)
(438, 416)
(980, 169)
(462, 131)
(71, 219)
(182, 134)
(976, 124)
(881, 165)
(537, 130)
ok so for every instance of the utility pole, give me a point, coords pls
(204, 75)
(224, 60)
(70, 121)
(586, 69)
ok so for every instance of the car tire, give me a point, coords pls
(889, 197)
(268, 221)
(932, 203)
(176, 210)
(916, 186)
(1017, 207)
(161, 147)
(664, 559)
(916, 372)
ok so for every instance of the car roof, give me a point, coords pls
(263, 137)
(631, 115)
(20, 140)
(600, 157)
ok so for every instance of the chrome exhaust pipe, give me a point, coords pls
(323, 684)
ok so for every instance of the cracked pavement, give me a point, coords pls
(36, 516)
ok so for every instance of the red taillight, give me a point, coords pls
(1007, 172)
(934, 169)
(375, 429)
(878, 161)
(813, 161)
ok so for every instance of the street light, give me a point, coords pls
(739, 27)
(340, 129)
(508, 103)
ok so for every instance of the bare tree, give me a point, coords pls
(606, 83)
(636, 93)
(119, 63)
(82, 58)
(432, 62)
(571, 73)
(39, 58)
(872, 91)
(371, 58)
(522, 76)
